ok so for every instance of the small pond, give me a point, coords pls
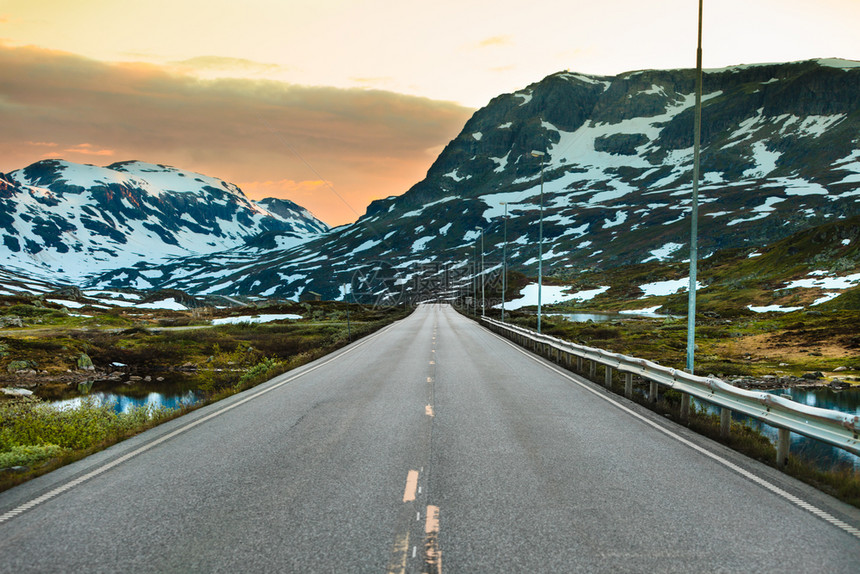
(124, 403)
(605, 317)
(825, 456)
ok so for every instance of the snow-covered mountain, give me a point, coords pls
(66, 221)
(781, 153)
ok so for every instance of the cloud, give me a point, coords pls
(368, 144)
(496, 41)
(373, 81)
(219, 64)
(88, 149)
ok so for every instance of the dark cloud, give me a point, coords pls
(368, 144)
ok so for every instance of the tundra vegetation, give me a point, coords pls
(56, 355)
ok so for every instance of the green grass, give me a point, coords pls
(36, 437)
(217, 362)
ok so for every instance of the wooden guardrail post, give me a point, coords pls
(628, 385)
(725, 422)
(579, 364)
(608, 377)
(783, 444)
(592, 369)
(652, 392)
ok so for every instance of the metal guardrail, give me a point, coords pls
(833, 427)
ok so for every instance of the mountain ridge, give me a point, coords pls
(781, 153)
(68, 219)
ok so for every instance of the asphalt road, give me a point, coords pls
(430, 446)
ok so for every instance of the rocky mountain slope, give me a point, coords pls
(781, 153)
(65, 221)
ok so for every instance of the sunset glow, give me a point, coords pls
(335, 103)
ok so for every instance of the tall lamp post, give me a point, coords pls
(483, 304)
(694, 220)
(505, 261)
(542, 157)
(475, 280)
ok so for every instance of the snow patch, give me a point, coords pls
(772, 309)
(663, 288)
(256, 319)
(550, 294)
(664, 252)
(169, 303)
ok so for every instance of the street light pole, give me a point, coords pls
(694, 220)
(542, 157)
(348, 326)
(475, 279)
(483, 304)
(505, 262)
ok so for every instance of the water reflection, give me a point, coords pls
(823, 455)
(125, 403)
(586, 317)
(605, 317)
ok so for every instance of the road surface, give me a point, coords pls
(430, 446)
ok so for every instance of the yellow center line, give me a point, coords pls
(432, 554)
(411, 486)
(428, 410)
(399, 554)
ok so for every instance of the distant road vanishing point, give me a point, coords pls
(430, 446)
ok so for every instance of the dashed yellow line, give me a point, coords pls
(411, 486)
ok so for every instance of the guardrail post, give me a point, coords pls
(628, 385)
(608, 377)
(725, 422)
(685, 407)
(838, 429)
(782, 446)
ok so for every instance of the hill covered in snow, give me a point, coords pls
(66, 221)
(781, 153)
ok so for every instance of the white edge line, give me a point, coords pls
(743, 472)
(105, 467)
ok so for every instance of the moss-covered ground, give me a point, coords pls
(137, 353)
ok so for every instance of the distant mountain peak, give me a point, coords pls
(70, 220)
(780, 154)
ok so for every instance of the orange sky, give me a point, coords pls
(333, 103)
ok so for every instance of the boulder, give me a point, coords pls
(18, 366)
(85, 363)
(16, 392)
(11, 321)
